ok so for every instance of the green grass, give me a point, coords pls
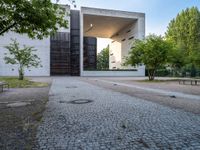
(196, 78)
(157, 81)
(26, 83)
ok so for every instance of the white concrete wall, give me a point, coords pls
(121, 46)
(81, 41)
(115, 55)
(43, 51)
(120, 49)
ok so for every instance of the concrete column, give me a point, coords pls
(141, 28)
(81, 43)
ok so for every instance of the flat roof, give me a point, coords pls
(111, 12)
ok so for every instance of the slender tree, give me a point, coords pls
(152, 52)
(23, 57)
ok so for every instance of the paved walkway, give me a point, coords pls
(112, 121)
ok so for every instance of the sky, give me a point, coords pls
(158, 12)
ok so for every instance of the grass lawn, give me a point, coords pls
(26, 83)
(157, 81)
(196, 78)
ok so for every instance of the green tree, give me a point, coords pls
(24, 57)
(152, 52)
(184, 32)
(176, 58)
(103, 59)
(37, 18)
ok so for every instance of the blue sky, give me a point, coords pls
(158, 12)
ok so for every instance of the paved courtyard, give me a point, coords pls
(112, 120)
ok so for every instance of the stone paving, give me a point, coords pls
(112, 121)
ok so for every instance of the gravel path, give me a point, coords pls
(155, 90)
(112, 121)
(168, 85)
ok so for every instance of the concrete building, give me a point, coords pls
(73, 51)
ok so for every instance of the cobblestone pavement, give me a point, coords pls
(112, 121)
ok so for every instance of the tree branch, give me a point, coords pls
(7, 28)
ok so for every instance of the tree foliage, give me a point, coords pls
(184, 32)
(103, 59)
(153, 52)
(37, 18)
(23, 57)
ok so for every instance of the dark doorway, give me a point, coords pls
(60, 54)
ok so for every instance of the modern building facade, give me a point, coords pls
(73, 51)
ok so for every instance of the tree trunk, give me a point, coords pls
(7, 28)
(193, 71)
(21, 74)
(151, 74)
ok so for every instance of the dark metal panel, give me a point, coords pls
(60, 54)
(65, 49)
(90, 53)
(75, 42)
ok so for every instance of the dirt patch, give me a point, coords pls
(18, 125)
(169, 86)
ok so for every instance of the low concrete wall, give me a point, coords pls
(139, 73)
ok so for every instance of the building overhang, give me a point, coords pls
(104, 26)
(105, 23)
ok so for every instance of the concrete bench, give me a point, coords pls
(3, 85)
(189, 81)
